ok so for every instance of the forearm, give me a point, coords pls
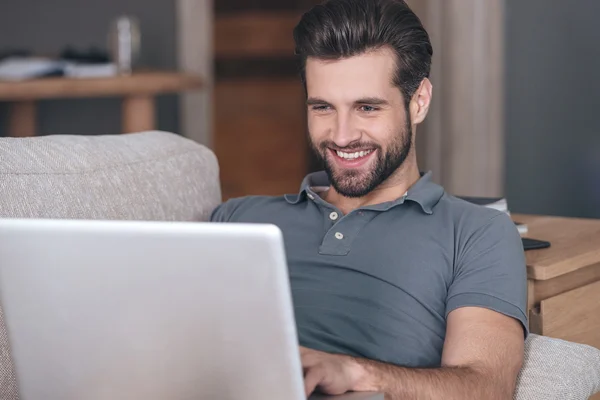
(449, 383)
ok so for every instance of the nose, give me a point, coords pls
(344, 132)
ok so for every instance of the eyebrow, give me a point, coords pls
(311, 101)
(376, 101)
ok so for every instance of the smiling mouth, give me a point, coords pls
(351, 159)
(352, 155)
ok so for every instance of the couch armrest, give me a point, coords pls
(557, 369)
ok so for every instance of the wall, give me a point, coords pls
(552, 107)
(461, 140)
(241, 6)
(48, 26)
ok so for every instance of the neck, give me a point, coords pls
(393, 188)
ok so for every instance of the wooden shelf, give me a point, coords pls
(255, 34)
(137, 84)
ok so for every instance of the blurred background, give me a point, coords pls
(516, 89)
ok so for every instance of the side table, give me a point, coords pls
(564, 279)
(138, 91)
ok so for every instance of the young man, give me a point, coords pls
(397, 286)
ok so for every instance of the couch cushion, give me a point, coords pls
(143, 176)
(556, 369)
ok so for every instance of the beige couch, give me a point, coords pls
(161, 176)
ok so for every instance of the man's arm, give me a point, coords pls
(482, 356)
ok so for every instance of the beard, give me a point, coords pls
(356, 183)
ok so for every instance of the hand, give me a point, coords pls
(332, 373)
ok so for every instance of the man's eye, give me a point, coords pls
(368, 108)
(321, 108)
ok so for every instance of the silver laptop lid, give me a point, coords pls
(148, 310)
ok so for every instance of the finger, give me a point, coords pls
(306, 367)
(312, 378)
(310, 360)
(303, 350)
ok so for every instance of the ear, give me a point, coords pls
(419, 104)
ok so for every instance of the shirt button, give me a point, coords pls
(310, 196)
(333, 216)
(339, 235)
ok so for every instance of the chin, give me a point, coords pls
(351, 185)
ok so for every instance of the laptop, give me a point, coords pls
(155, 310)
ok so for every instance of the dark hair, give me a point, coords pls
(345, 28)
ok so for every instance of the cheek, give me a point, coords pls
(379, 130)
(388, 128)
(318, 127)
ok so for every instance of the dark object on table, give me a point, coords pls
(92, 55)
(534, 244)
(14, 53)
(483, 201)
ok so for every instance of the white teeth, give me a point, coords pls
(352, 156)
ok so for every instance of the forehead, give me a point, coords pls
(367, 74)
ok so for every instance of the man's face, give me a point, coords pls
(357, 120)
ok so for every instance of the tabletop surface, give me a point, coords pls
(575, 244)
(138, 83)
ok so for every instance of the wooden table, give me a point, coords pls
(564, 280)
(138, 91)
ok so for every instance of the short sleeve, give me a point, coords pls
(220, 213)
(228, 211)
(490, 271)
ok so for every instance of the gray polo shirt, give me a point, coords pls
(380, 281)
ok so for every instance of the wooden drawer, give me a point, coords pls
(572, 316)
(260, 136)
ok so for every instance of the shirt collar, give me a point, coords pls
(424, 192)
